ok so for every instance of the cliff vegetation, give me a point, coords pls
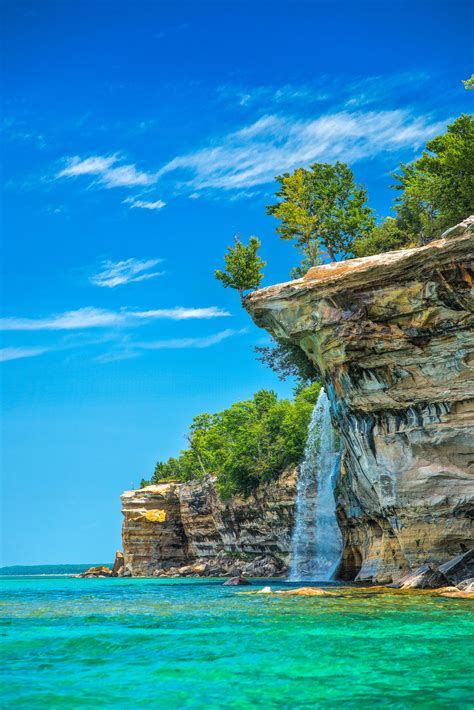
(249, 443)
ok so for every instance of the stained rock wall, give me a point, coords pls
(185, 528)
(393, 337)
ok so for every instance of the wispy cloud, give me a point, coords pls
(267, 95)
(339, 90)
(118, 273)
(107, 170)
(135, 349)
(144, 204)
(99, 318)
(20, 353)
(179, 343)
(277, 143)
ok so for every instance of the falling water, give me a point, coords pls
(316, 541)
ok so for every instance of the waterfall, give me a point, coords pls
(316, 541)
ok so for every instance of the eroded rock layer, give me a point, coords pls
(185, 528)
(393, 337)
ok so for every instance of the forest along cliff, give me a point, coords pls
(186, 529)
(393, 338)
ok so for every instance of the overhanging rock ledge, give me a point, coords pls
(393, 338)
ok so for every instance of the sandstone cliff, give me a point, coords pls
(393, 337)
(185, 528)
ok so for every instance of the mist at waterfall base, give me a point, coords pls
(316, 541)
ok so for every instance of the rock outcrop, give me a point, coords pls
(393, 338)
(97, 571)
(185, 529)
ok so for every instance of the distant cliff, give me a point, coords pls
(186, 529)
(393, 337)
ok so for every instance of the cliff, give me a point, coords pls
(186, 529)
(393, 337)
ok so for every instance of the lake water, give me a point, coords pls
(131, 643)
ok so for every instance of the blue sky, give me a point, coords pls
(137, 140)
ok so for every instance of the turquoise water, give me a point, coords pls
(131, 643)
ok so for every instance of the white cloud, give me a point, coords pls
(107, 171)
(19, 353)
(99, 318)
(180, 343)
(95, 165)
(180, 313)
(145, 204)
(118, 273)
(132, 350)
(278, 143)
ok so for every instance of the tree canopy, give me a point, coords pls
(437, 190)
(243, 266)
(387, 236)
(469, 83)
(322, 210)
(248, 443)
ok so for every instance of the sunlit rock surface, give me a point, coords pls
(393, 337)
(186, 529)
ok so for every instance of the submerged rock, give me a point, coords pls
(459, 593)
(307, 592)
(392, 335)
(236, 582)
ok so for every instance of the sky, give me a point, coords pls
(137, 139)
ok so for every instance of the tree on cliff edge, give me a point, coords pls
(437, 190)
(323, 210)
(243, 267)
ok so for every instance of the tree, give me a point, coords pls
(243, 267)
(247, 443)
(437, 190)
(469, 83)
(388, 236)
(323, 210)
(287, 360)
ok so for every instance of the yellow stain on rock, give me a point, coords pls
(155, 516)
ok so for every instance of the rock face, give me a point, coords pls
(393, 337)
(186, 529)
(425, 577)
(460, 568)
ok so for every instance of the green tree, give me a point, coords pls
(388, 236)
(287, 360)
(469, 83)
(322, 210)
(243, 267)
(437, 190)
(250, 442)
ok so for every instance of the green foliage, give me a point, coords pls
(322, 210)
(469, 83)
(248, 443)
(387, 236)
(243, 267)
(438, 188)
(287, 360)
